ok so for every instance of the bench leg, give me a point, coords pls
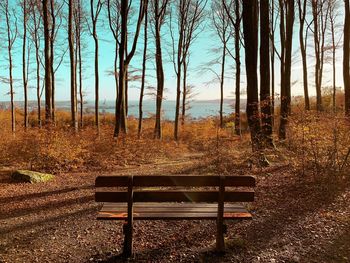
(220, 241)
(127, 250)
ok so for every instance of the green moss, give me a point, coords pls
(31, 176)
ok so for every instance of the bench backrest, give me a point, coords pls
(139, 188)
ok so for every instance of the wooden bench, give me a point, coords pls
(174, 197)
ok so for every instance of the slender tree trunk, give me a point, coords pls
(272, 54)
(222, 79)
(302, 15)
(333, 64)
(48, 76)
(24, 70)
(178, 80)
(238, 70)
(160, 75)
(37, 59)
(250, 31)
(52, 55)
(10, 41)
(265, 99)
(144, 60)
(121, 112)
(73, 80)
(184, 93)
(287, 15)
(346, 57)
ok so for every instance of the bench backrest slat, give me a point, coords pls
(174, 196)
(174, 180)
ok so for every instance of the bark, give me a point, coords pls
(250, 31)
(265, 98)
(303, 41)
(48, 61)
(346, 57)
(184, 93)
(24, 69)
(52, 55)
(222, 79)
(286, 30)
(72, 58)
(238, 68)
(142, 90)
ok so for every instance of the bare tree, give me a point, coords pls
(302, 5)
(95, 9)
(35, 31)
(221, 23)
(250, 31)
(236, 23)
(286, 36)
(124, 61)
(189, 14)
(333, 14)
(320, 12)
(159, 11)
(113, 11)
(143, 77)
(48, 61)
(12, 32)
(265, 96)
(73, 88)
(25, 12)
(346, 57)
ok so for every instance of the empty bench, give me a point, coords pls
(174, 197)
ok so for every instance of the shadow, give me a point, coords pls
(43, 194)
(49, 206)
(55, 219)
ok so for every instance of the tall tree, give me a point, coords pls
(72, 58)
(124, 61)
(236, 22)
(12, 32)
(35, 31)
(24, 63)
(320, 12)
(286, 35)
(346, 57)
(265, 96)
(250, 32)
(302, 5)
(48, 61)
(95, 12)
(113, 11)
(143, 77)
(189, 14)
(159, 11)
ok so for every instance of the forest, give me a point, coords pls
(282, 67)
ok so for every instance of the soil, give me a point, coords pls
(294, 220)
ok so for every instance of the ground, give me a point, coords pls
(295, 220)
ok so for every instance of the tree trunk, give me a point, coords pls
(184, 93)
(160, 74)
(302, 15)
(48, 76)
(265, 98)
(24, 70)
(144, 60)
(250, 31)
(222, 79)
(52, 54)
(73, 80)
(346, 57)
(238, 70)
(287, 21)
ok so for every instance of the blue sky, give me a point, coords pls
(204, 82)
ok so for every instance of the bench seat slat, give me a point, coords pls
(172, 211)
(174, 180)
(174, 196)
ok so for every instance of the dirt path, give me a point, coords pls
(294, 221)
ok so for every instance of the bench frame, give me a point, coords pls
(168, 181)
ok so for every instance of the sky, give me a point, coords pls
(204, 81)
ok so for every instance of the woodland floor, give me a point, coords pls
(295, 220)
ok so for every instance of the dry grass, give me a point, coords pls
(318, 143)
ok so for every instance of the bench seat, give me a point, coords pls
(172, 211)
